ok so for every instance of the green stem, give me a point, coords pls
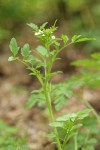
(46, 88)
(89, 106)
(47, 92)
(65, 141)
(53, 59)
(67, 137)
(48, 100)
(65, 46)
(75, 139)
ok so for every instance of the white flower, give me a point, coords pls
(53, 37)
(43, 34)
(38, 33)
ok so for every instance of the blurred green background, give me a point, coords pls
(74, 17)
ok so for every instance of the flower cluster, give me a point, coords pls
(40, 32)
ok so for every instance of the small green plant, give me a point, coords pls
(9, 140)
(66, 126)
(89, 76)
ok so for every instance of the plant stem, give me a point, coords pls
(65, 141)
(67, 137)
(75, 139)
(89, 106)
(46, 87)
(48, 100)
(65, 46)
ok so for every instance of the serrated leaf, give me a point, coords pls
(42, 50)
(84, 63)
(77, 126)
(75, 37)
(37, 97)
(56, 124)
(83, 113)
(13, 46)
(25, 51)
(41, 64)
(33, 26)
(79, 115)
(56, 44)
(64, 38)
(43, 25)
(67, 117)
(69, 94)
(32, 60)
(59, 103)
(31, 101)
(60, 93)
(85, 39)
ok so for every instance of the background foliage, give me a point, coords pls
(79, 16)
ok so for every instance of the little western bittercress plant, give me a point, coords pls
(68, 124)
